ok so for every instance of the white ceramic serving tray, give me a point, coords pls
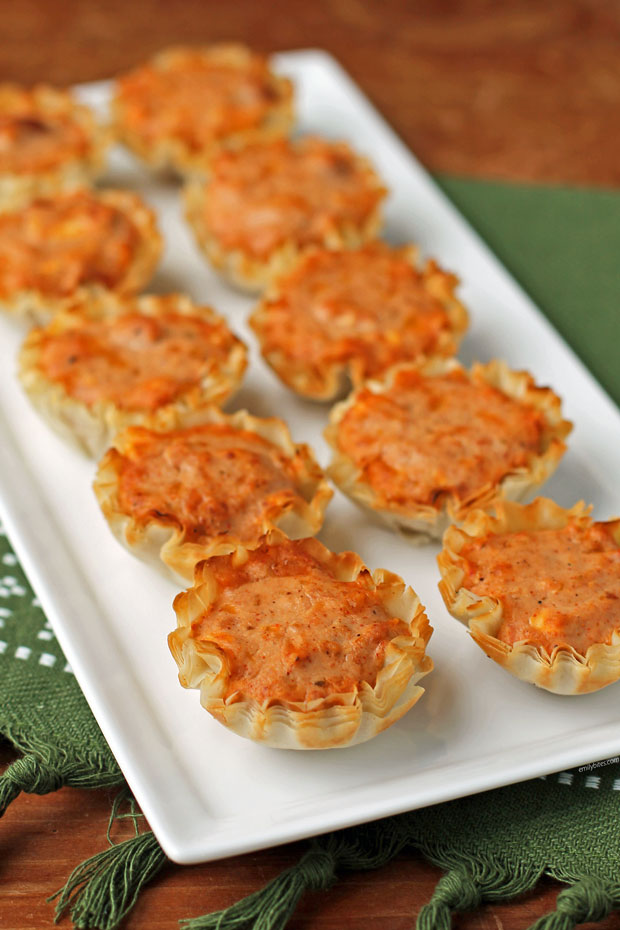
(206, 792)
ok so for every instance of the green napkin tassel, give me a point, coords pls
(101, 891)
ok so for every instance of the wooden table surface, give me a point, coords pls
(515, 90)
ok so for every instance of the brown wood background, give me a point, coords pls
(524, 91)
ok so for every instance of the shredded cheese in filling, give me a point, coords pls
(197, 99)
(370, 305)
(32, 142)
(134, 361)
(427, 438)
(207, 480)
(301, 192)
(56, 244)
(559, 586)
(290, 631)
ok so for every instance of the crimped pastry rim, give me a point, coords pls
(331, 379)
(252, 275)
(565, 671)
(16, 189)
(172, 152)
(336, 720)
(161, 544)
(93, 427)
(429, 521)
(36, 307)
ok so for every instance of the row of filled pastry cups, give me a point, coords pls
(50, 104)
(240, 266)
(338, 720)
(97, 425)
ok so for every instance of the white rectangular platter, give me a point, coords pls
(206, 792)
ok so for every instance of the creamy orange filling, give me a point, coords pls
(369, 305)
(429, 438)
(134, 361)
(290, 631)
(32, 142)
(303, 192)
(208, 481)
(56, 244)
(197, 100)
(556, 587)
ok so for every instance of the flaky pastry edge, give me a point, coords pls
(253, 275)
(172, 153)
(335, 721)
(17, 189)
(430, 521)
(328, 381)
(163, 545)
(93, 427)
(35, 307)
(565, 670)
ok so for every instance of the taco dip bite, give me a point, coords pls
(264, 205)
(106, 362)
(344, 316)
(298, 647)
(76, 240)
(539, 588)
(177, 496)
(48, 143)
(179, 108)
(430, 443)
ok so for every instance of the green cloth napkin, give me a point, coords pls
(562, 245)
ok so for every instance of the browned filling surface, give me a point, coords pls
(197, 99)
(135, 361)
(290, 631)
(32, 142)
(556, 587)
(428, 438)
(57, 244)
(302, 192)
(208, 480)
(368, 305)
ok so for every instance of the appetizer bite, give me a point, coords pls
(107, 362)
(264, 205)
(186, 103)
(299, 647)
(178, 496)
(539, 589)
(79, 239)
(48, 143)
(430, 443)
(344, 316)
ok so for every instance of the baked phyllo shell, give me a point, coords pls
(93, 426)
(347, 359)
(37, 306)
(166, 545)
(563, 669)
(171, 148)
(47, 105)
(331, 721)
(251, 272)
(431, 520)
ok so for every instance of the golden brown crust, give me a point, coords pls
(325, 222)
(93, 426)
(337, 318)
(431, 519)
(38, 307)
(324, 723)
(162, 544)
(184, 148)
(52, 106)
(564, 670)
